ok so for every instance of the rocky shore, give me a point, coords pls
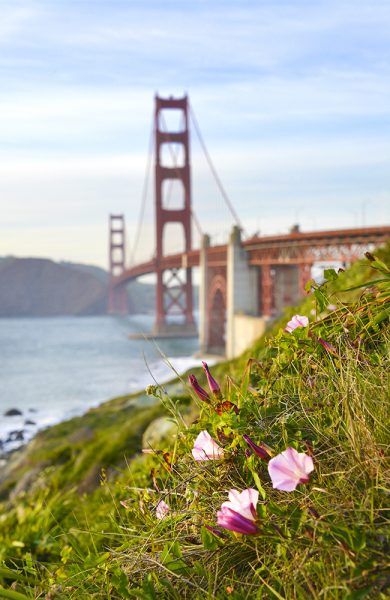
(17, 428)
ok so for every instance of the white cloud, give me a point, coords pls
(76, 167)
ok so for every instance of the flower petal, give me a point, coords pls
(289, 468)
(232, 520)
(205, 448)
(296, 321)
(162, 510)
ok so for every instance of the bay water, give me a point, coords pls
(55, 368)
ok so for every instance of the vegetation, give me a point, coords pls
(78, 516)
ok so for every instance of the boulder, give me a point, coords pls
(13, 412)
(159, 434)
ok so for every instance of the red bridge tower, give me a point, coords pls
(117, 294)
(174, 286)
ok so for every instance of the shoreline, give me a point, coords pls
(17, 446)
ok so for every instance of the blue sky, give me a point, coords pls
(293, 99)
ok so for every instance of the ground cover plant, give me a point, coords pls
(274, 484)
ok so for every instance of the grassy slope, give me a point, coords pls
(71, 535)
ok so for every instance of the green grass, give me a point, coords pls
(67, 535)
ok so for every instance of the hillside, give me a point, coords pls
(86, 514)
(40, 287)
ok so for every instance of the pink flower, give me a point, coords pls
(205, 448)
(289, 468)
(239, 513)
(199, 391)
(162, 510)
(213, 385)
(296, 321)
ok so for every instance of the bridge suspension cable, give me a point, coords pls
(213, 169)
(144, 196)
(145, 187)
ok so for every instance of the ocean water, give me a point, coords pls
(54, 368)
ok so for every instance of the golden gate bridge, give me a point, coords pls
(243, 282)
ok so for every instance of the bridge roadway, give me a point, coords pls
(242, 284)
(344, 245)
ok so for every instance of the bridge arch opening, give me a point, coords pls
(172, 155)
(216, 307)
(173, 194)
(171, 120)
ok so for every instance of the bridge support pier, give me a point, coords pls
(266, 291)
(286, 287)
(212, 301)
(242, 297)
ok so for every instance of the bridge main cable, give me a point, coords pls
(145, 188)
(213, 170)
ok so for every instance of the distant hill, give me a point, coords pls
(98, 272)
(39, 287)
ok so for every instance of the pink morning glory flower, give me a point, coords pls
(205, 448)
(199, 391)
(162, 510)
(239, 513)
(213, 385)
(296, 321)
(289, 468)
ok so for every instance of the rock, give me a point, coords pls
(16, 436)
(33, 410)
(29, 422)
(13, 412)
(159, 434)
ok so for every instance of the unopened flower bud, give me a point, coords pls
(213, 385)
(199, 391)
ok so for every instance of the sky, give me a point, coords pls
(292, 98)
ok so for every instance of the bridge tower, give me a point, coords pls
(174, 294)
(117, 294)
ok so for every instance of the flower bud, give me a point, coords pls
(199, 391)
(213, 385)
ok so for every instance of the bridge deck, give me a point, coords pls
(291, 248)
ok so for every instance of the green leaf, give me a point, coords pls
(209, 540)
(147, 592)
(171, 557)
(258, 485)
(322, 300)
(330, 275)
(14, 575)
(358, 594)
(246, 379)
(11, 595)
(367, 284)
(309, 285)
